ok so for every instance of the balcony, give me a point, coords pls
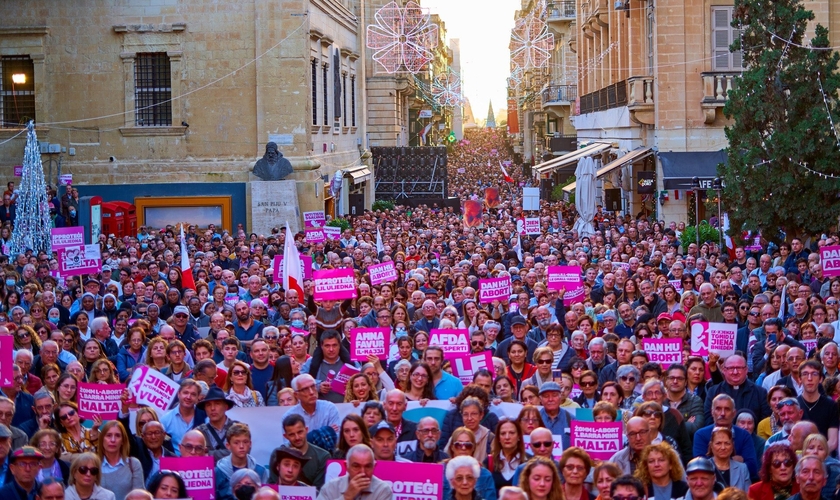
(613, 96)
(716, 87)
(559, 95)
(561, 13)
(560, 144)
(640, 99)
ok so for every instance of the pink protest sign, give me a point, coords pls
(7, 364)
(63, 237)
(676, 284)
(334, 284)
(713, 337)
(464, 366)
(99, 399)
(332, 233)
(830, 259)
(76, 260)
(305, 262)
(315, 235)
(18, 170)
(339, 382)
(810, 345)
(152, 388)
(567, 277)
(198, 474)
(408, 480)
(382, 273)
(621, 265)
(532, 225)
(294, 492)
(665, 352)
(314, 219)
(298, 331)
(601, 440)
(492, 289)
(367, 341)
(452, 342)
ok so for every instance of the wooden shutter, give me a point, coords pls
(723, 35)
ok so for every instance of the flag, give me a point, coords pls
(379, 246)
(292, 268)
(424, 133)
(187, 280)
(730, 246)
(783, 305)
(504, 172)
(518, 248)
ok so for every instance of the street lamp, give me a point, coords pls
(695, 186)
(717, 185)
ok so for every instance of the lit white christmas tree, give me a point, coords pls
(32, 220)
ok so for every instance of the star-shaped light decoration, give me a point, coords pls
(446, 89)
(531, 43)
(403, 37)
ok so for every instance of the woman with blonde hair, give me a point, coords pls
(817, 444)
(541, 481)
(240, 388)
(659, 468)
(102, 372)
(121, 473)
(359, 390)
(85, 479)
(156, 358)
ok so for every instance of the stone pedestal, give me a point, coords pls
(273, 204)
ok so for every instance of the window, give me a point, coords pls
(325, 71)
(314, 91)
(723, 35)
(152, 90)
(353, 99)
(344, 97)
(17, 91)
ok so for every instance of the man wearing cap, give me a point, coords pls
(519, 330)
(25, 465)
(285, 466)
(359, 483)
(700, 476)
(295, 431)
(216, 405)
(383, 441)
(106, 279)
(5, 448)
(556, 419)
(184, 331)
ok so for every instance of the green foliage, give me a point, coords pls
(780, 123)
(707, 234)
(344, 224)
(557, 192)
(382, 205)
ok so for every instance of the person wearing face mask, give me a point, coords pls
(72, 217)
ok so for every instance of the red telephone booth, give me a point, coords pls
(129, 218)
(113, 220)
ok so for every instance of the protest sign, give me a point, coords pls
(332, 233)
(464, 366)
(532, 225)
(315, 235)
(462, 170)
(99, 399)
(367, 341)
(65, 179)
(713, 337)
(152, 388)
(338, 383)
(18, 170)
(810, 345)
(455, 341)
(492, 289)
(621, 265)
(7, 363)
(382, 273)
(531, 199)
(601, 440)
(676, 284)
(79, 259)
(305, 263)
(63, 237)
(665, 352)
(556, 453)
(407, 480)
(567, 277)
(830, 260)
(472, 213)
(491, 197)
(297, 492)
(198, 474)
(314, 219)
(334, 284)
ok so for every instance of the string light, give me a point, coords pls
(33, 222)
(403, 37)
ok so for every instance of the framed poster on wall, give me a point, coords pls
(160, 211)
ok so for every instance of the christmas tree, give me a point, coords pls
(32, 222)
(783, 149)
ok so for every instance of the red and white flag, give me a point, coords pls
(727, 241)
(504, 172)
(187, 280)
(292, 268)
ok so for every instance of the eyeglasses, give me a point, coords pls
(629, 497)
(85, 470)
(542, 444)
(574, 467)
(463, 445)
(676, 379)
(238, 373)
(271, 337)
(627, 379)
(786, 462)
(477, 343)
(23, 335)
(181, 315)
(545, 361)
(197, 448)
(69, 414)
(428, 431)
(633, 435)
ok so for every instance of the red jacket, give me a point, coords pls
(764, 490)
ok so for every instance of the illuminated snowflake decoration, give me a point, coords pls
(531, 43)
(516, 75)
(403, 37)
(446, 90)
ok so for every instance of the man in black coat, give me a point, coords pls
(745, 392)
(153, 445)
(25, 464)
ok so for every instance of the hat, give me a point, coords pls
(106, 269)
(180, 310)
(382, 426)
(518, 320)
(228, 323)
(5, 432)
(550, 387)
(288, 452)
(324, 438)
(429, 291)
(664, 316)
(90, 280)
(215, 394)
(700, 464)
(26, 452)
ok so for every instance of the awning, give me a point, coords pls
(359, 173)
(679, 168)
(632, 156)
(571, 158)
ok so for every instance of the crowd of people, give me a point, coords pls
(761, 423)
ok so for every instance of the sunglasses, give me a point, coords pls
(463, 445)
(69, 414)
(237, 373)
(85, 470)
(587, 384)
(629, 497)
(628, 379)
(271, 337)
(786, 402)
(786, 462)
(181, 315)
(544, 361)
(24, 335)
(542, 444)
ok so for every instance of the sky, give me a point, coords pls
(483, 26)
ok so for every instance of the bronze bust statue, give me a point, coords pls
(272, 166)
